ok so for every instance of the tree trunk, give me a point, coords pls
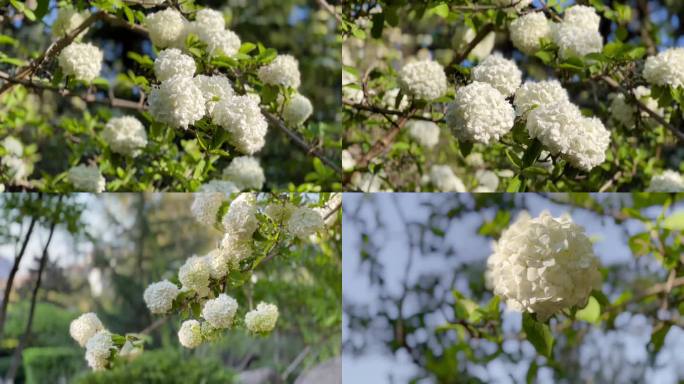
(12, 275)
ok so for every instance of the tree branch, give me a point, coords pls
(481, 34)
(383, 111)
(325, 5)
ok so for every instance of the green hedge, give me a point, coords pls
(50, 325)
(162, 367)
(52, 364)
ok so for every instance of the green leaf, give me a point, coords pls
(441, 10)
(532, 372)
(591, 313)
(640, 244)
(437, 231)
(675, 221)
(539, 334)
(532, 153)
(545, 56)
(465, 147)
(658, 337)
(514, 185)
(41, 9)
(21, 7)
(378, 25)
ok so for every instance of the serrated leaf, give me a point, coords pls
(591, 313)
(538, 334)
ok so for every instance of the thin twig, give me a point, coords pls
(383, 111)
(481, 34)
(325, 5)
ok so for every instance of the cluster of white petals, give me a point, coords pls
(262, 319)
(86, 178)
(172, 62)
(578, 34)
(666, 68)
(513, 4)
(159, 296)
(214, 89)
(444, 179)
(389, 100)
(426, 133)
(125, 135)
(487, 181)
(84, 327)
(220, 312)
(245, 172)
(211, 19)
(543, 265)
(304, 222)
(463, 35)
(562, 129)
(190, 334)
(241, 116)
(240, 220)
(67, 20)
(536, 94)
(624, 112)
(194, 275)
(177, 102)
(527, 31)
(223, 186)
(480, 113)
(83, 61)
(582, 16)
(234, 249)
(16, 167)
(668, 181)
(423, 79)
(98, 349)
(501, 73)
(283, 70)
(167, 28)
(296, 110)
(205, 206)
(224, 42)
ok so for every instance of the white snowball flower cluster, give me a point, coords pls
(245, 172)
(426, 133)
(423, 79)
(262, 319)
(624, 112)
(205, 207)
(542, 265)
(210, 19)
(98, 349)
(214, 89)
(83, 61)
(578, 34)
(219, 312)
(86, 178)
(159, 296)
(85, 327)
(668, 181)
(518, 5)
(463, 35)
(67, 20)
(240, 220)
(177, 101)
(488, 181)
(444, 179)
(167, 28)
(172, 62)
(283, 70)
(234, 249)
(296, 110)
(209, 26)
(527, 31)
(190, 334)
(480, 113)
(223, 186)
(125, 135)
(194, 275)
(562, 129)
(304, 222)
(535, 94)
(389, 100)
(501, 73)
(17, 168)
(666, 68)
(241, 116)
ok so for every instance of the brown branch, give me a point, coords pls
(646, 27)
(383, 144)
(330, 9)
(477, 8)
(383, 111)
(481, 34)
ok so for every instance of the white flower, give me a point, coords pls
(172, 62)
(535, 94)
(666, 68)
(527, 30)
(86, 178)
(98, 349)
(500, 73)
(223, 186)
(85, 327)
(262, 319)
(624, 112)
(463, 35)
(83, 61)
(241, 116)
(240, 220)
(389, 100)
(488, 181)
(475, 160)
(233, 250)
(296, 110)
(205, 206)
(125, 135)
(67, 20)
(245, 172)
(304, 222)
(424, 79)
(575, 40)
(167, 28)
(190, 334)
(210, 19)
(194, 275)
(480, 113)
(219, 312)
(152, 3)
(543, 265)
(426, 133)
(177, 102)
(582, 16)
(668, 181)
(283, 70)
(2, 187)
(513, 4)
(562, 129)
(367, 182)
(13, 147)
(18, 169)
(279, 212)
(348, 162)
(218, 42)
(214, 89)
(159, 296)
(444, 179)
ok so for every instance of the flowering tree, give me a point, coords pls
(166, 95)
(507, 95)
(516, 287)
